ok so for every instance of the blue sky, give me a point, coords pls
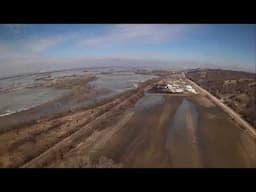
(44, 46)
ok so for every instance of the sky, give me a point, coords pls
(42, 47)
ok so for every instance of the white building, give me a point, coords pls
(189, 88)
(179, 90)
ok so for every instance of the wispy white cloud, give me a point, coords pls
(42, 44)
(26, 56)
(27, 48)
(119, 34)
(134, 33)
(28, 53)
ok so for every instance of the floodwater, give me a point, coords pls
(178, 128)
(27, 98)
(66, 73)
(120, 81)
(29, 79)
(149, 101)
(180, 132)
(113, 83)
(206, 137)
(17, 81)
(182, 138)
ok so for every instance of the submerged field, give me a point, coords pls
(171, 132)
(109, 119)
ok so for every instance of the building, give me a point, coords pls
(189, 88)
(174, 86)
(179, 90)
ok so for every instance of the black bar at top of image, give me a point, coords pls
(185, 12)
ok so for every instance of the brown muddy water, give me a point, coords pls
(177, 131)
(182, 138)
(206, 137)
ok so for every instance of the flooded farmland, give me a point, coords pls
(177, 132)
(182, 136)
(27, 98)
(20, 98)
(149, 101)
(113, 119)
(120, 81)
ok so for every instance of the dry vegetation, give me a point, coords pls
(236, 89)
